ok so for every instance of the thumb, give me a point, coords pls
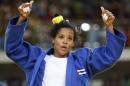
(102, 9)
(31, 2)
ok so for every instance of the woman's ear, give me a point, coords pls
(52, 41)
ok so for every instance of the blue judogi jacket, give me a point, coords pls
(82, 64)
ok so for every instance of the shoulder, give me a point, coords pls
(82, 51)
(82, 54)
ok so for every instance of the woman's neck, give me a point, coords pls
(60, 56)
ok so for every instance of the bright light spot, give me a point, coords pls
(85, 27)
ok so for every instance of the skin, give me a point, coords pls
(109, 22)
(23, 15)
(63, 42)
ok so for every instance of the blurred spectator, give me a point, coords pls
(113, 80)
(126, 80)
(14, 82)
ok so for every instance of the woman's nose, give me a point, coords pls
(65, 41)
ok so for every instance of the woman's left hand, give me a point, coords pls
(108, 19)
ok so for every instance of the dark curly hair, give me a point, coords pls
(63, 24)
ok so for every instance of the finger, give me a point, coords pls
(111, 18)
(20, 11)
(21, 6)
(26, 9)
(102, 9)
(105, 16)
(110, 14)
(26, 5)
(31, 2)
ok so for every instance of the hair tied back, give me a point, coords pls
(57, 19)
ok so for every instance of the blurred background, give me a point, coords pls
(86, 15)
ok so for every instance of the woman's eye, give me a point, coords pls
(60, 37)
(70, 38)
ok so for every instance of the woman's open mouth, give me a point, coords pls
(64, 48)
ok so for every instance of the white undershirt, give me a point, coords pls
(55, 71)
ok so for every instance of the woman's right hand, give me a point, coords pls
(24, 11)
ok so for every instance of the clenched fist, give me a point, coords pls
(108, 19)
(24, 11)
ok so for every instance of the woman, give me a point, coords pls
(58, 66)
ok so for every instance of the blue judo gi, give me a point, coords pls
(82, 64)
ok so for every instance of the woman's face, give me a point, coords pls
(63, 42)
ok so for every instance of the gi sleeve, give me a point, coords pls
(103, 57)
(99, 59)
(22, 53)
